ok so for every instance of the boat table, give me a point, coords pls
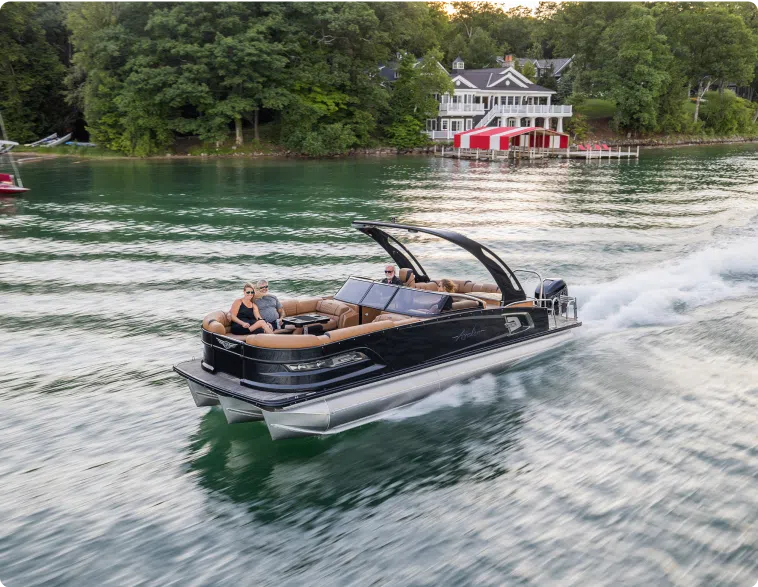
(305, 320)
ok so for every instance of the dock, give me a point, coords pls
(530, 153)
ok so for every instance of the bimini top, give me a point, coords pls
(503, 276)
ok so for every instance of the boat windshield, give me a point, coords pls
(392, 298)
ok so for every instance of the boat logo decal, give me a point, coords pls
(226, 344)
(466, 334)
(517, 323)
(512, 323)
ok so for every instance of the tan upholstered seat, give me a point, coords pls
(375, 326)
(341, 314)
(466, 305)
(391, 317)
(468, 286)
(407, 277)
(219, 322)
(283, 341)
(430, 286)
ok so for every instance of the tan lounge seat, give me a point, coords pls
(407, 277)
(340, 315)
(467, 305)
(430, 286)
(283, 341)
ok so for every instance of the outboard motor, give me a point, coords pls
(553, 289)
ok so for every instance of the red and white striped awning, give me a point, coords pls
(500, 138)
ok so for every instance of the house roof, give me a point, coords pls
(388, 70)
(496, 78)
(558, 64)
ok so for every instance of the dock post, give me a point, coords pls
(638, 151)
(443, 151)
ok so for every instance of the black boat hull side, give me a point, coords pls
(263, 379)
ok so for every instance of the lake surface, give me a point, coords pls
(627, 457)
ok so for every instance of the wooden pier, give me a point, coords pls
(529, 153)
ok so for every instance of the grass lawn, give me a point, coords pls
(596, 108)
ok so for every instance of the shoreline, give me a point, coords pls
(647, 143)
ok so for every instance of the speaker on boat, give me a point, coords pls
(553, 289)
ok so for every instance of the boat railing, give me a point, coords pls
(557, 307)
(533, 272)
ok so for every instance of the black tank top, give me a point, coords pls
(246, 314)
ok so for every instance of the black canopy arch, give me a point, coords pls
(504, 278)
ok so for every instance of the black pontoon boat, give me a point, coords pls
(377, 347)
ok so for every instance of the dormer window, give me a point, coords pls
(458, 63)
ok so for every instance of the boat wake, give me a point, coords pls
(479, 390)
(663, 295)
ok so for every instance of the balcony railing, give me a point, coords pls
(437, 135)
(533, 109)
(450, 108)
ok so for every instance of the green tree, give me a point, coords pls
(529, 71)
(405, 133)
(413, 98)
(577, 28)
(218, 58)
(726, 114)
(712, 46)
(31, 74)
(636, 73)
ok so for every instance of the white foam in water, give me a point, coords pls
(658, 296)
(478, 390)
(661, 295)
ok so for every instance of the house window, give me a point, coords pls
(456, 125)
(444, 124)
(431, 124)
(469, 123)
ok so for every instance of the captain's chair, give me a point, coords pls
(407, 277)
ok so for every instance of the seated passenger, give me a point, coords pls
(448, 286)
(269, 306)
(390, 277)
(246, 319)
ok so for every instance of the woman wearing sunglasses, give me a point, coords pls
(246, 319)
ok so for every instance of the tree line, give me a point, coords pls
(141, 75)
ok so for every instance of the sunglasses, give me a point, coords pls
(264, 287)
(249, 292)
(389, 271)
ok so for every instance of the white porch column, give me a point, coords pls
(559, 128)
(532, 121)
(548, 100)
(547, 122)
(518, 121)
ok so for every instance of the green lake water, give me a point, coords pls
(627, 457)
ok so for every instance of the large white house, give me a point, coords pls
(498, 96)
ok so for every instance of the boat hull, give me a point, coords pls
(353, 407)
(12, 190)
